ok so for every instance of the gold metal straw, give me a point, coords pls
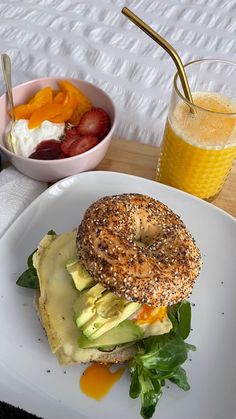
(167, 47)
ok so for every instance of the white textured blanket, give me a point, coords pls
(92, 40)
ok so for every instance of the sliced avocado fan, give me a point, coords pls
(84, 306)
(98, 310)
(125, 332)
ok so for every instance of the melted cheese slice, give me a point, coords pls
(56, 300)
(57, 296)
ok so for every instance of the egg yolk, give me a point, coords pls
(149, 315)
(97, 380)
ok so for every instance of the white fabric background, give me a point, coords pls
(92, 40)
(16, 193)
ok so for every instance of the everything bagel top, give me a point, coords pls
(139, 249)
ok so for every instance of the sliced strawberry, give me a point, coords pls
(82, 144)
(48, 150)
(52, 144)
(71, 133)
(94, 122)
(47, 154)
(70, 136)
(66, 143)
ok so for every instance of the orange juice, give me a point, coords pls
(198, 148)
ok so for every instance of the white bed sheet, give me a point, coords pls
(92, 40)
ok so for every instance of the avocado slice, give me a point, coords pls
(82, 279)
(109, 305)
(84, 306)
(110, 310)
(125, 332)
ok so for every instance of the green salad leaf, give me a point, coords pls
(51, 233)
(29, 278)
(160, 358)
(150, 394)
(135, 386)
(180, 316)
(179, 377)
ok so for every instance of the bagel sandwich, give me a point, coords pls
(110, 283)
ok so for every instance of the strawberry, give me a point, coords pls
(48, 144)
(71, 133)
(47, 154)
(94, 122)
(82, 144)
(70, 136)
(66, 143)
(48, 150)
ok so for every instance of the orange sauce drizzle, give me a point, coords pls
(150, 315)
(97, 380)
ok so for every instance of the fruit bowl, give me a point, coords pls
(53, 170)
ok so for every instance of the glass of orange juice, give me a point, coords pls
(199, 143)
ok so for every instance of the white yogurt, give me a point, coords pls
(25, 140)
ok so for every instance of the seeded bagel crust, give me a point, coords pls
(139, 249)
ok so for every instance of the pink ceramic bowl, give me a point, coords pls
(53, 170)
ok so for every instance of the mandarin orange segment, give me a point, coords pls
(45, 92)
(47, 112)
(66, 86)
(78, 113)
(55, 92)
(67, 104)
(23, 111)
(42, 97)
(84, 104)
(30, 101)
(62, 117)
(59, 98)
(70, 100)
(39, 99)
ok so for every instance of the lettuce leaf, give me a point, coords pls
(29, 278)
(160, 358)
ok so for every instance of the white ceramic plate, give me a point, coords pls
(24, 353)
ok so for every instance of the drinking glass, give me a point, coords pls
(199, 143)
